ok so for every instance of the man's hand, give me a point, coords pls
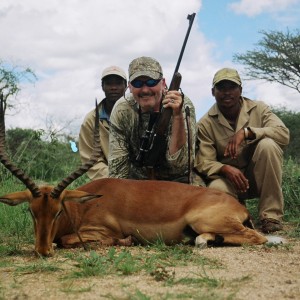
(233, 145)
(174, 100)
(236, 177)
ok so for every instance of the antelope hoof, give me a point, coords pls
(200, 242)
(128, 241)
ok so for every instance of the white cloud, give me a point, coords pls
(273, 94)
(253, 8)
(68, 44)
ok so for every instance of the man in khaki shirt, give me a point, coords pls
(114, 83)
(241, 148)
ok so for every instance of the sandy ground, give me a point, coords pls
(258, 272)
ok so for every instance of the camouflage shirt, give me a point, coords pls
(128, 125)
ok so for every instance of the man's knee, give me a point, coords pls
(268, 147)
(222, 185)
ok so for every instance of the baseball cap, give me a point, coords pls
(227, 74)
(145, 66)
(113, 70)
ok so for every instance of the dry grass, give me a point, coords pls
(156, 272)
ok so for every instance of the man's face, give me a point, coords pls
(113, 87)
(148, 97)
(227, 94)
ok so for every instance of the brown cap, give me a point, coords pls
(113, 70)
(145, 66)
(227, 74)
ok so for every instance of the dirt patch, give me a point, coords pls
(260, 272)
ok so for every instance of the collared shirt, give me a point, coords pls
(103, 115)
(127, 128)
(86, 142)
(214, 132)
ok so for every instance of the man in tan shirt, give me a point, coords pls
(241, 145)
(114, 83)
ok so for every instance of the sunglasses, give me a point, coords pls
(149, 83)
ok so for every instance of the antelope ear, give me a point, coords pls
(78, 196)
(16, 198)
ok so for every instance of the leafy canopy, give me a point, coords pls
(275, 59)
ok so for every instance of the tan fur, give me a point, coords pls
(142, 211)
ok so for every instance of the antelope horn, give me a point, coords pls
(84, 168)
(6, 161)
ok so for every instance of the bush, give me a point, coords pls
(43, 160)
(292, 122)
(291, 189)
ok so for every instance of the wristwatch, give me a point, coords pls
(246, 132)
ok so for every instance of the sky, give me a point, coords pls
(68, 43)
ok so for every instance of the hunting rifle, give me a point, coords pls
(154, 140)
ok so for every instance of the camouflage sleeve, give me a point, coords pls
(178, 161)
(118, 159)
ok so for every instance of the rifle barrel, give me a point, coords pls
(191, 19)
(154, 142)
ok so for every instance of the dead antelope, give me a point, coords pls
(128, 210)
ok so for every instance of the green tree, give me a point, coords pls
(11, 78)
(275, 59)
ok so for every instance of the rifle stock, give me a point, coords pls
(166, 113)
(158, 135)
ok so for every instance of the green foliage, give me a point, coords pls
(292, 121)
(98, 265)
(43, 160)
(169, 256)
(291, 190)
(158, 262)
(276, 58)
(16, 228)
(18, 136)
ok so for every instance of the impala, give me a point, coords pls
(119, 211)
